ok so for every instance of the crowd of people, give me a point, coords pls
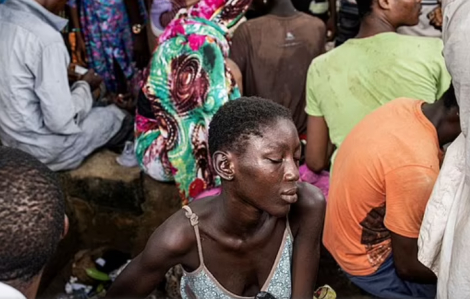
(278, 145)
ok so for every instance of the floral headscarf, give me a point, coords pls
(189, 81)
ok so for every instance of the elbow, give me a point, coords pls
(404, 272)
(415, 273)
(315, 165)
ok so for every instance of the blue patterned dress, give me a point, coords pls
(107, 31)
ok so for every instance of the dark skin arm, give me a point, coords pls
(75, 18)
(237, 74)
(307, 224)
(141, 51)
(407, 193)
(331, 24)
(405, 258)
(133, 10)
(319, 148)
(167, 247)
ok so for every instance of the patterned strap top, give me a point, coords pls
(202, 284)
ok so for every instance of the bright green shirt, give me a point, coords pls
(349, 82)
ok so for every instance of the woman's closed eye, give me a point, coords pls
(276, 161)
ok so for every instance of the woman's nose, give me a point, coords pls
(292, 171)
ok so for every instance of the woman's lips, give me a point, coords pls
(290, 195)
(289, 198)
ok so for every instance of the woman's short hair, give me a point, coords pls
(237, 120)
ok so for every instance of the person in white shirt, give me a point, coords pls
(32, 222)
(444, 238)
(40, 113)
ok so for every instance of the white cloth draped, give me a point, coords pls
(444, 240)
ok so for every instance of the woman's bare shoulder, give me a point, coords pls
(177, 233)
(175, 236)
(309, 210)
(310, 197)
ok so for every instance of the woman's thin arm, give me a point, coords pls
(166, 248)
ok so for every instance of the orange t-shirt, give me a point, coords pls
(382, 179)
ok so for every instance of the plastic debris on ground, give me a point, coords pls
(93, 272)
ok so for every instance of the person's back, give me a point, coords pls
(25, 38)
(376, 67)
(273, 54)
(378, 150)
(190, 78)
(354, 79)
(382, 178)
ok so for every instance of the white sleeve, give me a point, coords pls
(61, 108)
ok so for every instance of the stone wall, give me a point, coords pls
(110, 205)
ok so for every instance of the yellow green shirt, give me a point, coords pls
(349, 82)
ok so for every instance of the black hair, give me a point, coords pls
(364, 7)
(31, 215)
(449, 98)
(237, 120)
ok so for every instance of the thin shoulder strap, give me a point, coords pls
(289, 231)
(194, 220)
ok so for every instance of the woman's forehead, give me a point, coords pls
(279, 136)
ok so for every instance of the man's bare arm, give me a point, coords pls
(405, 258)
(319, 147)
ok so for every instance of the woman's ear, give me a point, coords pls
(223, 165)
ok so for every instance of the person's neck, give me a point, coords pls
(238, 218)
(48, 6)
(372, 25)
(436, 115)
(28, 289)
(283, 8)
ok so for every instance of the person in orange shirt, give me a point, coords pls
(382, 179)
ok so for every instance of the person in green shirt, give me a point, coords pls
(377, 66)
